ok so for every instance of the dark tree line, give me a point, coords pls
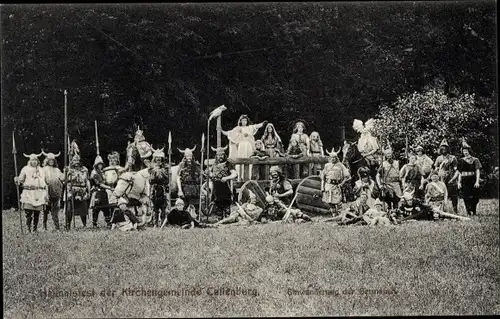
(166, 66)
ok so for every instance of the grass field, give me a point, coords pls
(419, 268)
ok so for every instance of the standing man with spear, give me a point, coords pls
(201, 174)
(169, 203)
(14, 152)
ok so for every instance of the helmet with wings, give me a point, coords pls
(359, 127)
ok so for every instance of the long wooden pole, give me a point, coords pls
(169, 170)
(288, 211)
(201, 173)
(207, 200)
(66, 145)
(96, 138)
(14, 152)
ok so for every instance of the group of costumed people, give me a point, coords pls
(385, 193)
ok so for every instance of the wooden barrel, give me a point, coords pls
(309, 197)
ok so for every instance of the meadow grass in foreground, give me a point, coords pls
(420, 268)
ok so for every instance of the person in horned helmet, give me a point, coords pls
(139, 152)
(188, 179)
(446, 166)
(34, 196)
(333, 176)
(469, 168)
(100, 190)
(111, 174)
(55, 183)
(389, 180)
(220, 173)
(78, 191)
(159, 179)
(368, 145)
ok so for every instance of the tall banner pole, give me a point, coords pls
(201, 172)
(66, 145)
(96, 138)
(169, 170)
(14, 153)
(207, 199)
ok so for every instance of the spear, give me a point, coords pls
(14, 152)
(169, 170)
(96, 138)
(201, 172)
(66, 145)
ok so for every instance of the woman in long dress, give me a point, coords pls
(243, 136)
(303, 140)
(315, 150)
(469, 168)
(272, 141)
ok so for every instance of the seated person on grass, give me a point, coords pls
(354, 213)
(376, 216)
(275, 210)
(123, 219)
(180, 217)
(245, 214)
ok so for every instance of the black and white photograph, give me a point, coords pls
(253, 159)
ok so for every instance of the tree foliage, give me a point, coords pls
(426, 118)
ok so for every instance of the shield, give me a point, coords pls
(309, 197)
(255, 188)
(110, 176)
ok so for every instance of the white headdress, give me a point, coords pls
(359, 127)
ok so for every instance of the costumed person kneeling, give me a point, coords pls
(220, 174)
(275, 210)
(333, 176)
(123, 219)
(34, 197)
(245, 214)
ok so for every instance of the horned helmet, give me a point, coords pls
(32, 158)
(50, 156)
(334, 155)
(188, 152)
(220, 153)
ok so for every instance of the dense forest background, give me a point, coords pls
(166, 66)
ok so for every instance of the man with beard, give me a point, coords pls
(333, 177)
(220, 173)
(446, 166)
(55, 182)
(280, 187)
(34, 196)
(160, 183)
(188, 179)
